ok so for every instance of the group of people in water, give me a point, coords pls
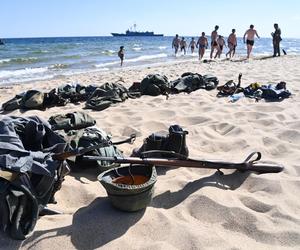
(218, 42)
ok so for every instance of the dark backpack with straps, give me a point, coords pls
(90, 137)
(154, 85)
(174, 141)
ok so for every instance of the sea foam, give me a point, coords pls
(22, 72)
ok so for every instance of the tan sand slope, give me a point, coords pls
(192, 208)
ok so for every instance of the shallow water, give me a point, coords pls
(27, 59)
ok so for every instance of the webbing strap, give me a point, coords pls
(9, 176)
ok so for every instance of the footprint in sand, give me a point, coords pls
(194, 120)
(292, 136)
(255, 205)
(236, 219)
(226, 128)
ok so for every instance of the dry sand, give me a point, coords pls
(192, 208)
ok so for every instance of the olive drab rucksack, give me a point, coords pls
(33, 99)
(90, 137)
(188, 82)
(75, 120)
(154, 85)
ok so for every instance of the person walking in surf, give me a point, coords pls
(202, 45)
(192, 45)
(250, 34)
(214, 43)
(232, 43)
(176, 43)
(121, 54)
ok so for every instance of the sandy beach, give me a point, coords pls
(191, 208)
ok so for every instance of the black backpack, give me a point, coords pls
(174, 141)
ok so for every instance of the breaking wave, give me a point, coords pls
(22, 72)
(19, 60)
(133, 60)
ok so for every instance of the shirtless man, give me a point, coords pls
(183, 45)
(192, 45)
(221, 44)
(214, 43)
(202, 44)
(176, 43)
(250, 33)
(232, 43)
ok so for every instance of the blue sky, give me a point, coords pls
(38, 18)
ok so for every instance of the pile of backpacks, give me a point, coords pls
(96, 97)
(156, 84)
(101, 97)
(269, 92)
(31, 173)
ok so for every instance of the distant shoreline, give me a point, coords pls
(189, 36)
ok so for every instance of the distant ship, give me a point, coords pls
(133, 32)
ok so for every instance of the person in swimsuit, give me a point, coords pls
(121, 54)
(202, 44)
(192, 45)
(276, 40)
(176, 43)
(221, 44)
(183, 45)
(250, 33)
(214, 43)
(232, 43)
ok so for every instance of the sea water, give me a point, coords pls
(27, 59)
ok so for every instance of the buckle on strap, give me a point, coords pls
(9, 176)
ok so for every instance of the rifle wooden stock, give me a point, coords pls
(193, 163)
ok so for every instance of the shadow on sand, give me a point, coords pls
(92, 227)
(99, 223)
(171, 199)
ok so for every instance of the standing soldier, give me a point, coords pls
(276, 40)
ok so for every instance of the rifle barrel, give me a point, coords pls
(191, 163)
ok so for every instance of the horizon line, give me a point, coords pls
(75, 36)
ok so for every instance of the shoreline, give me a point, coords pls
(154, 65)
